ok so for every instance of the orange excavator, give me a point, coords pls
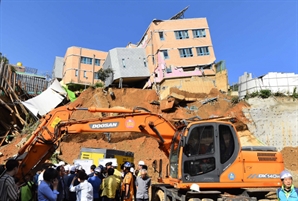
(206, 159)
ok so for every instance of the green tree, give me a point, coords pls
(4, 59)
(103, 74)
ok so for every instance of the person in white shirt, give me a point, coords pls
(84, 190)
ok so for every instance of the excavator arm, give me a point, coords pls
(46, 138)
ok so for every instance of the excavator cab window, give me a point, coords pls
(226, 143)
(176, 144)
(200, 166)
(200, 141)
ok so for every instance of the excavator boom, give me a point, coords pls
(46, 138)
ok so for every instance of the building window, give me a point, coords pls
(76, 73)
(165, 54)
(185, 52)
(97, 62)
(85, 74)
(96, 76)
(161, 36)
(199, 33)
(145, 62)
(86, 60)
(226, 143)
(201, 51)
(181, 34)
(168, 69)
(123, 63)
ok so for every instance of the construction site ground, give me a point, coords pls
(144, 147)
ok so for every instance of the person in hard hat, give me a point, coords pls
(72, 195)
(287, 192)
(140, 167)
(127, 187)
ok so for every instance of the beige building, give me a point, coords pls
(178, 50)
(81, 64)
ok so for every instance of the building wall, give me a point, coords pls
(186, 84)
(276, 82)
(221, 80)
(153, 44)
(127, 63)
(74, 71)
(58, 68)
(273, 121)
(108, 64)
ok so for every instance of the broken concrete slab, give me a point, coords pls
(209, 100)
(166, 105)
(177, 96)
(190, 99)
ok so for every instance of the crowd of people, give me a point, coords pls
(71, 183)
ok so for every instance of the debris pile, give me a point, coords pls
(13, 113)
(179, 104)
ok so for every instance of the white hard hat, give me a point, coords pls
(285, 174)
(98, 170)
(61, 163)
(79, 167)
(195, 187)
(67, 167)
(141, 163)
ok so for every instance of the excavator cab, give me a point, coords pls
(207, 149)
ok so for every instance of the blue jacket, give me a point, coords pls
(282, 195)
(95, 181)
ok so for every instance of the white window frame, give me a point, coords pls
(161, 35)
(182, 34)
(199, 33)
(86, 60)
(123, 63)
(203, 51)
(185, 52)
(165, 51)
(96, 76)
(95, 62)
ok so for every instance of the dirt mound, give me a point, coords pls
(236, 111)
(91, 97)
(10, 150)
(290, 156)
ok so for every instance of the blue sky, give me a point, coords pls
(256, 36)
